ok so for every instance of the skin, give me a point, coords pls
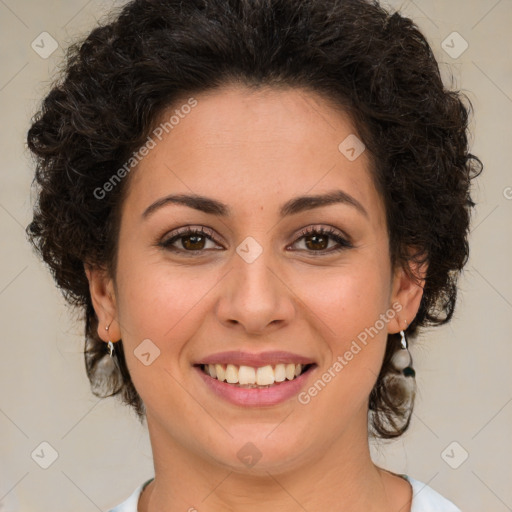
(254, 151)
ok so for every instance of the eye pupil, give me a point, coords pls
(315, 242)
(193, 237)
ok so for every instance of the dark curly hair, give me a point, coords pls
(373, 63)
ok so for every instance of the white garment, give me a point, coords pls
(424, 499)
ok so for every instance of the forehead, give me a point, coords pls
(250, 147)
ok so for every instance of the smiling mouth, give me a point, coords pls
(251, 377)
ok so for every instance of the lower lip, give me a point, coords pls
(273, 395)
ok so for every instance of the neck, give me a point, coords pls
(341, 476)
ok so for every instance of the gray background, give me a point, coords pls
(463, 369)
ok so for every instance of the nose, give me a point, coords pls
(255, 296)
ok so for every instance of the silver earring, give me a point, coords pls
(110, 345)
(402, 360)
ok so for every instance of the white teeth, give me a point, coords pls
(221, 373)
(279, 373)
(247, 375)
(265, 376)
(231, 374)
(290, 371)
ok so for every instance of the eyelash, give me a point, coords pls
(208, 233)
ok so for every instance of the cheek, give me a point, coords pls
(347, 299)
(163, 302)
(350, 303)
(166, 307)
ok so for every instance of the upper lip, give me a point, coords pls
(240, 358)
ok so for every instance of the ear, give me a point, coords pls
(103, 298)
(407, 291)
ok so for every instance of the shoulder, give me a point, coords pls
(425, 499)
(130, 504)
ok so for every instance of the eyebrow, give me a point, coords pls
(291, 207)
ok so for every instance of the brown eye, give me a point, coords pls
(189, 240)
(193, 242)
(317, 240)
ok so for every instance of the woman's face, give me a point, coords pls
(254, 282)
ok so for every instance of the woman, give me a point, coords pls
(257, 204)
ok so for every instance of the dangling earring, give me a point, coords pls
(402, 360)
(110, 345)
(106, 370)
